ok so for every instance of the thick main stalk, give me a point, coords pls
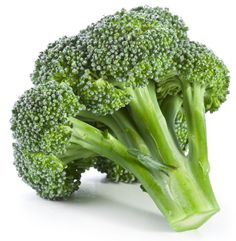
(177, 195)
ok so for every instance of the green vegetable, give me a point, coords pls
(50, 176)
(45, 157)
(128, 95)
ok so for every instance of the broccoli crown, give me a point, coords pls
(199, 65)
(128, 48)
(47, 174)
(40, 117)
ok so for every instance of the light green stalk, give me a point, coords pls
(175, 192)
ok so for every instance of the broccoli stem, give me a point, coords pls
(126, 125)
(193, 102)
(177, 194)
(74, 152)
(108, 121)
(122, 127)
(193, 97)
(148, 117)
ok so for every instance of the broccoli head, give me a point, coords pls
(128, 48)
(131, 92)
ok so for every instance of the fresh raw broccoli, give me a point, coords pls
(134, 87)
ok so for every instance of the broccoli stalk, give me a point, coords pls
(171, 108)
(193, 102)
(154, 128)
(121, 126)
(173, 189)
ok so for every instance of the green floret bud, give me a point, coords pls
(46, 157)
(40, 117)
(130, 48)
(164, 17)
(114, 172)
(61, 61)
(47, 174)
(199, 65)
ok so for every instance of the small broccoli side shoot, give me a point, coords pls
(47, 174)
(114, 172)
(44, 156)
(40, 118)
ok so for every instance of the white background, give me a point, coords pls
(102, 211)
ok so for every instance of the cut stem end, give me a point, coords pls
(193, 220)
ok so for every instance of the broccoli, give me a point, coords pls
(42, 157)
(128, 94)
(50, 176)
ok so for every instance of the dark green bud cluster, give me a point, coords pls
(40, 117)
(47, 174)
(114, 173)
(128, 48)
(199, 65)
(134, 46)
(164, 17)
(61, 61)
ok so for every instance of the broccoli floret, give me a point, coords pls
(128, 48)
(114, 172)
(40, 117)
(131, 88)
(57, 147)
(45, 158)
(202, 70)
(50, 176)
